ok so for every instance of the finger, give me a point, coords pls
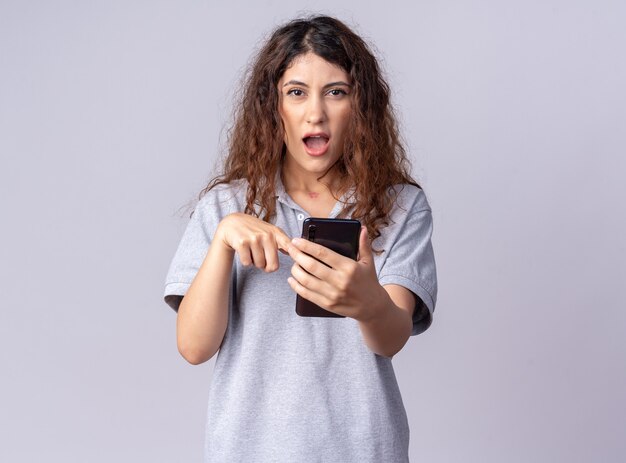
(271, 254)
(257, 251)
(318, 269)
(311, 282)
(319, 252)
(282, 240)
(306, 293)
(365, 247)
(243, 251)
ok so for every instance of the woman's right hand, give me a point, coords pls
(255, 241)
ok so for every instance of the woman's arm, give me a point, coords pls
(203, 313)
(388, 329)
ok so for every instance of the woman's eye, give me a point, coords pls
(295, 92)
(337, 92)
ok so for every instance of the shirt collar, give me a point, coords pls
(283, 197)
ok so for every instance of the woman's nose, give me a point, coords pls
(316, 113)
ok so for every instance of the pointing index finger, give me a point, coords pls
(282, 240)
(319, 252)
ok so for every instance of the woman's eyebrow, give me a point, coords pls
(332, 84)
(295, 82)
(339, 83)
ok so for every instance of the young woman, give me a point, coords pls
(314, 136)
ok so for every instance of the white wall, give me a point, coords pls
(110, 120)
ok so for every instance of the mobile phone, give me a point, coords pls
(339, 235)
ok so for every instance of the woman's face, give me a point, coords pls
(315, 106)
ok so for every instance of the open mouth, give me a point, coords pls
(316, 145)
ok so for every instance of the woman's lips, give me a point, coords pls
(316, 145)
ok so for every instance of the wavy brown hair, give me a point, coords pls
(373, 157)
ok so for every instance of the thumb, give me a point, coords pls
(365, 247)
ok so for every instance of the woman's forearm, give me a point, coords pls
(203, 313)
(387, 332)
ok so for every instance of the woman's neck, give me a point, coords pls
(298, 180)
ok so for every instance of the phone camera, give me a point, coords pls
(312, 229)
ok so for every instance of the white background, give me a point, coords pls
(111, 121)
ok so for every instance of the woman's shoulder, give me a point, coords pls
(225, 196)
(409, 197)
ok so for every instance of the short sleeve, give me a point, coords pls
(192, 249)
(411, 261)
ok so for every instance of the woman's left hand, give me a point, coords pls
(347, 287)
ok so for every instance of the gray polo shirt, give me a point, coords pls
(287, 388)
